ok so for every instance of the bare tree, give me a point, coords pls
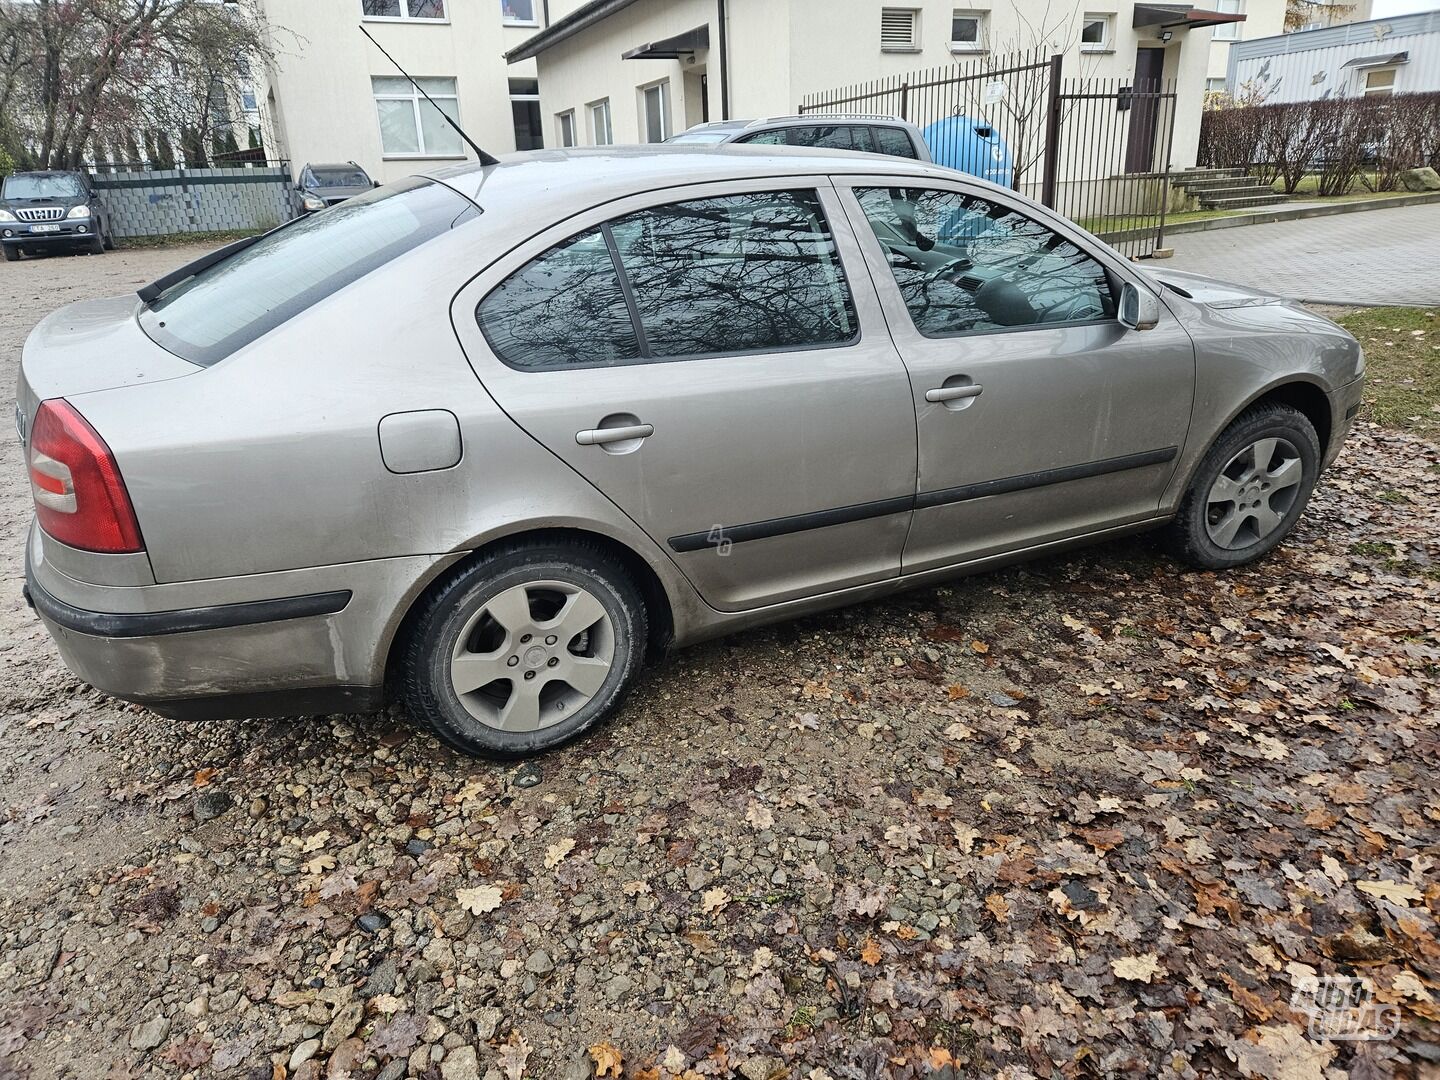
(74, 71)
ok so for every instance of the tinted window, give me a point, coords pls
(733, 274)
(964, 263)
(40, 186)
(561, 309)
(894, 142)
(831, 136)
(230, 304)
(766, 138)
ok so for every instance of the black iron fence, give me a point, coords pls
(1096, 150)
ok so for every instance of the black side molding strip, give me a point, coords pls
(927, 499)
(185, 620)
(760, 530)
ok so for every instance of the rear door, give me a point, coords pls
(732, 389)
(1039, 416)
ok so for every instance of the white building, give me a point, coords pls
(640, 70)
(330, 96)
(1262, 19)
(1376, 57)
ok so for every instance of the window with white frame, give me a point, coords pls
(565, 127)
(1095, 32)
(967, 31)
(1215, 86)
(601, 131)
(1379, 82)
(518, 13)
(899, 30)
(410, 126)
(655, 111)
(431, 10)
(1229, 31)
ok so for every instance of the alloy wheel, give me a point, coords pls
(1253, 493)
(533, 655)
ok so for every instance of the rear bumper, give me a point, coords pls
(263, 647)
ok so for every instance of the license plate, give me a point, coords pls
(44, 228)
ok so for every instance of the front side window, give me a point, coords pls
(601, 133)
(964, 264)
(207, 317)
(410, 126)
(832, 137)
(518, 13)
(403, 9)
(764, 138)
(731, 274)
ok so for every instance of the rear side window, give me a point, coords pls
(738, 273)
(765, 138)
(894, 142)
(226, 306)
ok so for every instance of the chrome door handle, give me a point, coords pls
(953, 393)
(600, 436)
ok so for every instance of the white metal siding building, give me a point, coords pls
(1377, 57)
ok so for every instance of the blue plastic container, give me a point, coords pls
(971, 146)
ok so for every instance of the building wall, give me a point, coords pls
(1263, 18)
(323, 108)
(1309, 65)
(781, 50)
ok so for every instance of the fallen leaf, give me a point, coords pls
(556, 852)
(479, 900)
(513, 1055)
(870, 951)
(1141, 968)
(607, 1059)
(713, 900)
(1397, 892)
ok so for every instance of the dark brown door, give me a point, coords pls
(1144, 109)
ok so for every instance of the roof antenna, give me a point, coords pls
(485, 159)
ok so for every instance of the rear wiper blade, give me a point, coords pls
(157, 288)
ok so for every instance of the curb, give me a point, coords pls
(1265, 217)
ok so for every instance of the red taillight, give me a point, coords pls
(80, 498)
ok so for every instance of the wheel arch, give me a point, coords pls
(659, 607)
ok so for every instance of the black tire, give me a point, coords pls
(1188, 536)
(426, 685)
(109, 240)
(97, 244)
(12, 254)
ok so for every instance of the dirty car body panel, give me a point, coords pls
(313, 482)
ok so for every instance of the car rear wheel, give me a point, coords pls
(524, 650)
(1250, 489)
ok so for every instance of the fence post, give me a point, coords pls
(1052, 133)
(904, 99)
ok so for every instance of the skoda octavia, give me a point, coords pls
(489, 437)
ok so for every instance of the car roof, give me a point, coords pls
(332, 165)
(565, 181)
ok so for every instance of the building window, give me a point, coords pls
(655, 111)
(565, 127)
(1380, 82)
(518, 13)
(403, 9)
(601, 132)
(899, 30)
(1228, 31)
(412, 127)
(1095, 33)
(967, 31)
(525, 114)
(1215, 86)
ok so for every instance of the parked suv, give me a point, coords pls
(325, 185)
(52, 211)
(871, 134)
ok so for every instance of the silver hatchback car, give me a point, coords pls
(490, 437)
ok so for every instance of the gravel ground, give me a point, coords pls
(1093, 816)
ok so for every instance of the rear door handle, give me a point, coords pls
(954, 393)
(600, 436)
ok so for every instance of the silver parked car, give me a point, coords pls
(871, 134)
(490, 436)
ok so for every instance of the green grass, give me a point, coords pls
(1402, 366)
(1121, 223)
(171, 239)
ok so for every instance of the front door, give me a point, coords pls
(1039, 416)
(1144, 111)
(732, 388)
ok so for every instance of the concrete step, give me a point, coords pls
(1205, 174)
(1233, 191)
(1196, 187)
(1240, 203)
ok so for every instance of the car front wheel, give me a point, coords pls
(524, 649)
(1249, 490)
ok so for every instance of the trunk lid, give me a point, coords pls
(87, 346)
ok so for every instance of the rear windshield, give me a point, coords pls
(43, 187)
(227, 306)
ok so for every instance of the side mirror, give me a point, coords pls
(1139, 308)
(374, 183)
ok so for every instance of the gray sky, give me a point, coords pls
(1384, 9)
